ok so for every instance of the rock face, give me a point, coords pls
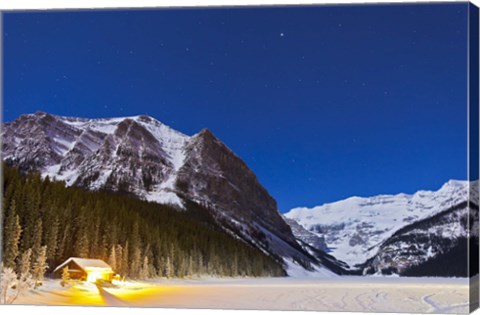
(214, 176)
(304, 236)
(435, 246)
(147, 159)
(212, 173)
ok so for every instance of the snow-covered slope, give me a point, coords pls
(295, 270)
(354, 228)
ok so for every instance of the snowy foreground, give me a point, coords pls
(379, 294)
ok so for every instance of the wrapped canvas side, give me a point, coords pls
(473, 153)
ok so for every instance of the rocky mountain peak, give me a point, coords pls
(143, 157)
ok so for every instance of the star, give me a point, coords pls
(282, 34)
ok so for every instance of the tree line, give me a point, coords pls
(44, 219)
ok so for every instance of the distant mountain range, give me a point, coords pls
(388, 234)
(141, 157)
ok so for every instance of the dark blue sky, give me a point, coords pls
(321, 102)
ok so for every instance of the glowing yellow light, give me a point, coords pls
(93, 274)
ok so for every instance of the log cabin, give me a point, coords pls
(83, 269)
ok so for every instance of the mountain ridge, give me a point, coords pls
(357, 228)
(140, 156)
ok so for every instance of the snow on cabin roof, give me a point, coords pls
(85, 263)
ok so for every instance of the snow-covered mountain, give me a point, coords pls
(145, 158)
(136, 154)
(356, 228)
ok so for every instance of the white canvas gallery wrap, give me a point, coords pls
(74, 4)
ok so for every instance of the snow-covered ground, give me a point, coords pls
(365, 294)
(296, 271)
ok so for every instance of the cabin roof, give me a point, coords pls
(84, 263)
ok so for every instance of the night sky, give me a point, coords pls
(321, 102)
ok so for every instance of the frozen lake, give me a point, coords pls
(364, 294)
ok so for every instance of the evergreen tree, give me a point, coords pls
(135, 262)
(51, 239)
(81, 245)
(171, 263)
(9, 192)
(37, 240)
(135, 252)
(64, 243)
(25, 263)
(144, 271)
(112, 259)
(234, 271)
(168, 268)
(29, 211)
(96, 243)
(119, 259)
(102, 249)
(11, 238)
(125, 260)
(65, 277)
(40, 266)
